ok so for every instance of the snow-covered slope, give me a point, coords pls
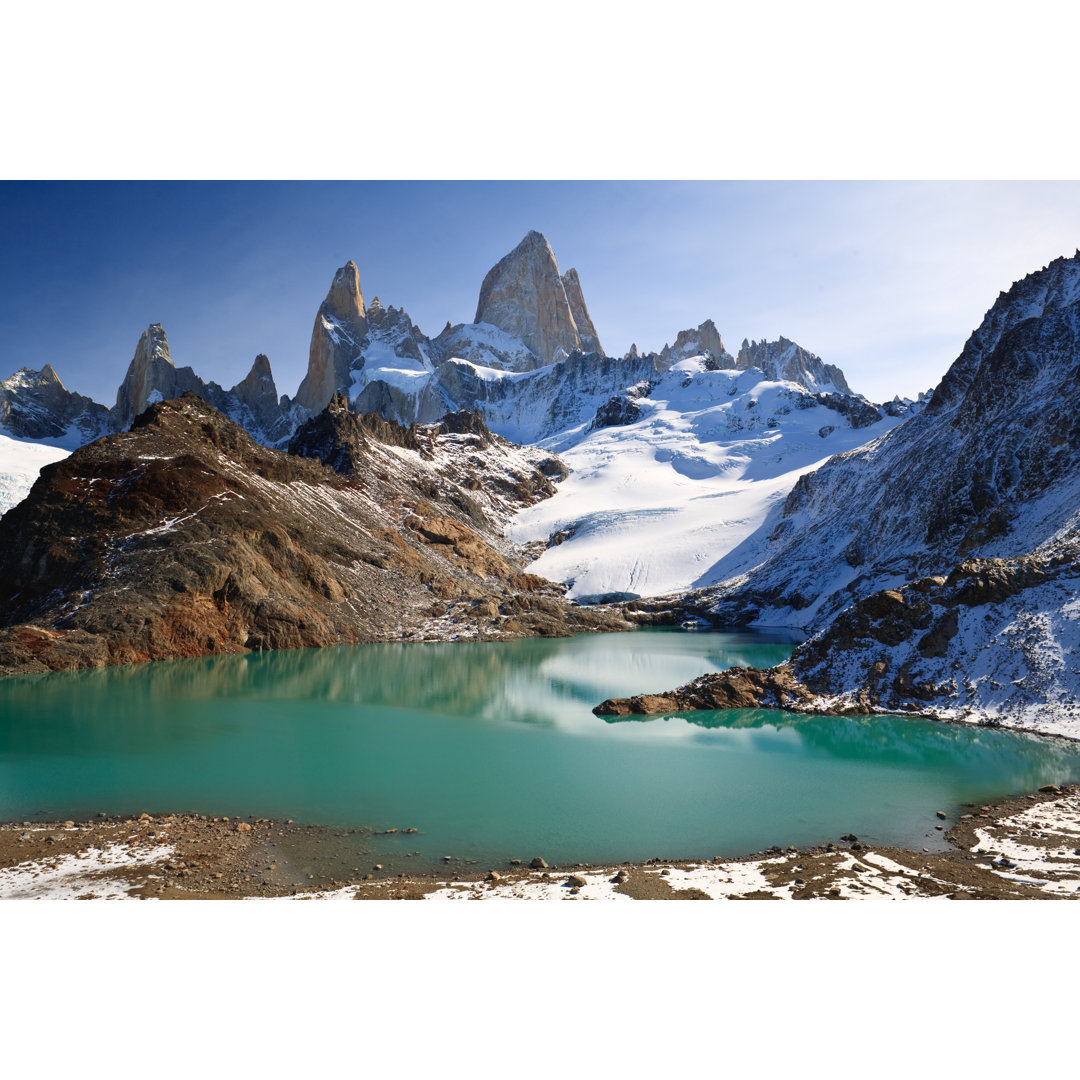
(678, 492)
(20, 463)
(988, 469)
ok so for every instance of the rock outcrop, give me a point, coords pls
(261, 409)
(704, 341)
(989, 643)
(185, 537)
(340, 327)
(784, 359)
(525, 296)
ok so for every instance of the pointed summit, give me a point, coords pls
(49, 377)
(340, 327)
(524, 295)
(258, 384)
(344, 301)
(151, 370)
(257, 393)
(589, 341)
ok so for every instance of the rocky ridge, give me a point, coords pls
(185, 537)
(532, 363)
(36, 406)
(784, 360)
(152, 376)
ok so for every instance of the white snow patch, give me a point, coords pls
(1053, 866)
(70, 877)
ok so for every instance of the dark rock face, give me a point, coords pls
(185, 537)
(466, 422)
(617, 411)
(342, 439)
(859, 413)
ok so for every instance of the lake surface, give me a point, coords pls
(492, 752)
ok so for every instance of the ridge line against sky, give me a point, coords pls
(886, 280)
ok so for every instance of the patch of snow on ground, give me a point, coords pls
(73, 877)
(598, 886)
(1053, 866)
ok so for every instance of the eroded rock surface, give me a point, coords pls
(185, 537)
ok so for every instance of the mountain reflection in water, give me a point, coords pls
(491, 750)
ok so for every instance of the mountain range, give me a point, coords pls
(482, 481)
(682, 454)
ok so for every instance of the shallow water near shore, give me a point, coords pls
(491, 752)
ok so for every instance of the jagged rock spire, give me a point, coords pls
(589, 341)
(705, 339)
(339, 328)
(345, 300)
(151, 369)
(525, 295)
(784, 359)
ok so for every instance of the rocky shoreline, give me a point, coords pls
(1024, 847)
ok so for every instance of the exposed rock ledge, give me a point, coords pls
(736, 688)
(995, 642)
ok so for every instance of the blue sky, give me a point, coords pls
(885, 279)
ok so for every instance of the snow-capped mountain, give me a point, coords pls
(43, 422)
(940, 563)
(35, 406)
(531, 362)
(784, 360)
(678, 457)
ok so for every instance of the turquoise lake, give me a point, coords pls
(492, 752)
